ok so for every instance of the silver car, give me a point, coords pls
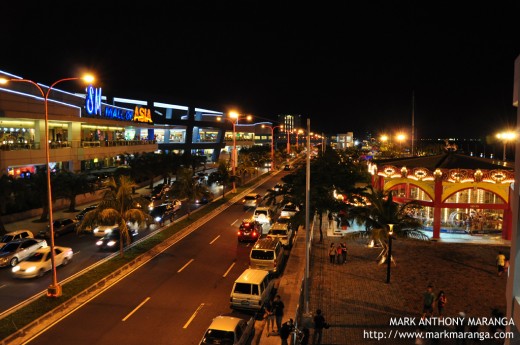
(14, 252)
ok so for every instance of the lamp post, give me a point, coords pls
(234, 117)
(400, 139)
(288, 139)
(54, 290)
(389, 256)
(272, 142)
(505, 137)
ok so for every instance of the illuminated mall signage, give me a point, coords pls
(94, 108)
(142, 114)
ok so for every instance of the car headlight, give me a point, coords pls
(98, 243)
(111, 243)
(157, 219)
(29, 270)
(15, 268)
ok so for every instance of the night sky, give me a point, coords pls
(346, 66)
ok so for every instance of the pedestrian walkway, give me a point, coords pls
(354, 297)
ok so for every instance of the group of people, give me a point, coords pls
(274, 314)
(430, 300)
(338, 253)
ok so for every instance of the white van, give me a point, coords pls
(251, 290)
(267, 254)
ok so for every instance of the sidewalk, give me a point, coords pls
(354, 297)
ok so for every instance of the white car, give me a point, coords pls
(289, 210)
(251, 200)
(15, 235)
(230, 331)
(102, 230)
(263, 215)
(40, 262)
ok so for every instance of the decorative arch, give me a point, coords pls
(425, 186)
(498, 190)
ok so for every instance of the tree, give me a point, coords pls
(221, 176)
(68, 185)
(376, 209)
(6, 191)
(117, 206)
(188, 187)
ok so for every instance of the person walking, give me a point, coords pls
(331, 219)
(428, 299)
(441, 303)
(501, 262)
(319, 324)
(339, 256)
(344, 252)
(278, 312)
(285, 331)
(332, 253)
(269, 316)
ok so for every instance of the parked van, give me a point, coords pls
(267, 254)
(251, 290)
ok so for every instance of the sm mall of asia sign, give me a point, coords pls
(94, 108)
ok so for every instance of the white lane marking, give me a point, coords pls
(136, 308)
(229, 269)
(216, 238)
(236, 220)
(183, 267)
(193, 316)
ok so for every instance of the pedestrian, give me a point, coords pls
(344, 252)
(339, 255)
(332, 253)
(331, 218)
(285, 331)
(278, 311)
(501, 262)
(428, 299)
(460, 327)
(319, 325)
(269, 316)
(441, 303)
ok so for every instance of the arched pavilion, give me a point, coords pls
(459, 193)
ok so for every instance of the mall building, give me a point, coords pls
(91, 131)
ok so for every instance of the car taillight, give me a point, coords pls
(274, 264)
(255, 234)
(239, 233)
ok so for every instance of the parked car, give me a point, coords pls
(14, 252)
(287, 167)
(111, 241)
(283, 232)
(40, 262)
(251, 200)
(229, 330)
(285, 220)
(249, 230)
(15, 235)
(205, 199)
(289, 210)
(62, 226)
(81, 214)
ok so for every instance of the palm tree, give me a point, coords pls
(188, 187)
(221, 176)
(69, 185)
(117, 206)
(376, 210)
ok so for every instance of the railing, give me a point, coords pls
(109, 143)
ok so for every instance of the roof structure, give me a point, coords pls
(447, 160)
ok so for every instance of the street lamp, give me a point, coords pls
(400, 138)
(272, 142)
(505, 137)
(234, 117)
(54, 290)
(389, 255)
